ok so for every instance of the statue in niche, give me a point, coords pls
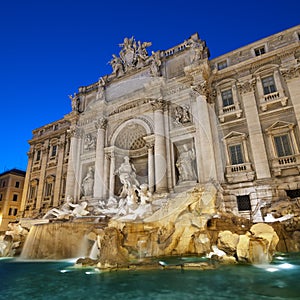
(185, 164)
(89, 142)
(88, 182)
(182, 115)
(127, 173)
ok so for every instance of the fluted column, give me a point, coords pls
(99, 185)
(160, 158)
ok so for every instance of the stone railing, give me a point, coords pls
(272, 96)
(229, 108)
(239, 173)
(271, 99)
(230, 112)
(286, 162)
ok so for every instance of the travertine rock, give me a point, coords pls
(227, 241)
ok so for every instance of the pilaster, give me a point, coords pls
(254, 128)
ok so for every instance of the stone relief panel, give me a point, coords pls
(89, 142)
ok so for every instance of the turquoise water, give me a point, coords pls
(59, 280)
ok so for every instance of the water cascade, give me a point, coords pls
(57, 241)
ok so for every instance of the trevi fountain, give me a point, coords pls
(149, 220)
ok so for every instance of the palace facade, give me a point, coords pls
(180, 118)
(11, 190)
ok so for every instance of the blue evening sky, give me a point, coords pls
(49, 48)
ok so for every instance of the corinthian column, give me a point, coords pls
(72, 185)
(160, 158)
(99, 186)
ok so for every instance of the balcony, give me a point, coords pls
(239, 173)
(287, 165)
(230, 112)
(273, 99)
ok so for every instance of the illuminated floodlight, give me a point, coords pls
(271, 269)
(286, 266)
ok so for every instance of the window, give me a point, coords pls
(38, 155)
(17, 184)
(259, 51)
(283, 145)
(236, 154)
(268, 85)
(32, 192)
(54, 150)
(3, 184)
(48, 189)
(227, 97)
(0, 197)
(15, 197)
(293, 193)
(12, 211)
(243, 202)
(222, 65)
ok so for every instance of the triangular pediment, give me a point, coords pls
(279, 125)
(234, 134)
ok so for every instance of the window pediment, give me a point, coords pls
(235, 135)
(279, 126)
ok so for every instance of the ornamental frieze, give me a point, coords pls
(101, 123)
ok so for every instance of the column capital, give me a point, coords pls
(291, 72)
(247, 86)
(159, 104)
(101, 123)
(74, 131)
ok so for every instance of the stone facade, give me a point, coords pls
(180, 118)
(11, 189)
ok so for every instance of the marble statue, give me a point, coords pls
(144, 194)
(79, 210)
(185, 164)
(133, 55)
(117, 66)
(60, 212)
(127, 173)
(88, 182)
(75, 103)
(68, 209)
(101, 88)
(155, 63)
